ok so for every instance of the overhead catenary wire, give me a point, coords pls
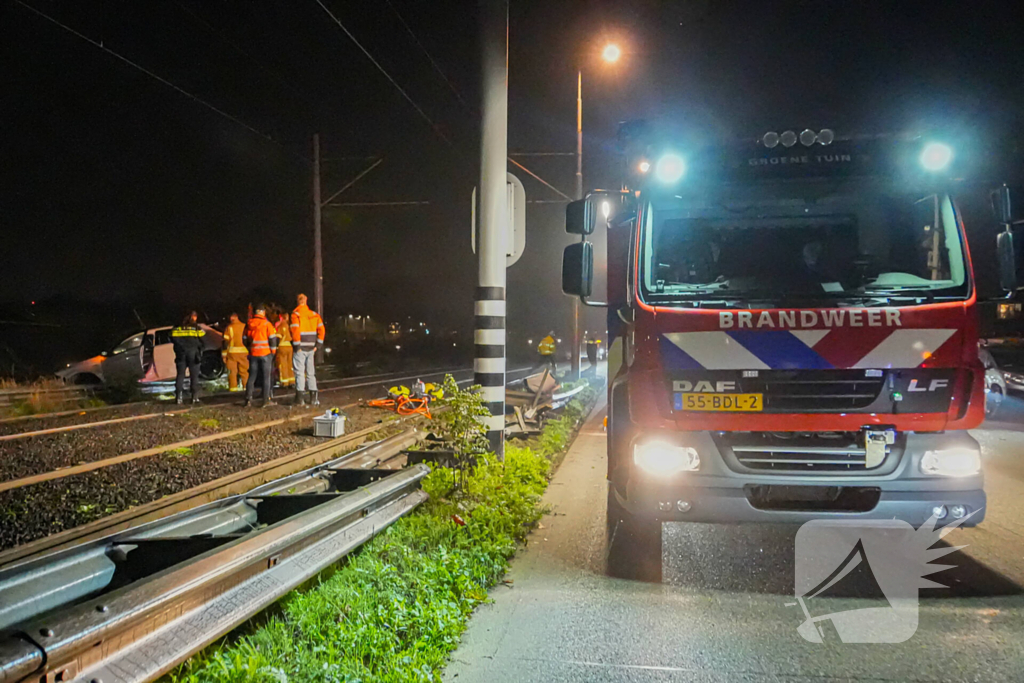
(154, 76)
(539, 179)
(408, 98)
(433, 62)
(364, 204)
(353, 181)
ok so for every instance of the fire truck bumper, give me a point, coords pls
(727, 488)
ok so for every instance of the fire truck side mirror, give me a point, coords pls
(1008, 249)
(580, 218)
(1006, 207)
(578, 269)
(1006, 204)
(601, 207)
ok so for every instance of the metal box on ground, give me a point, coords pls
(330, 426)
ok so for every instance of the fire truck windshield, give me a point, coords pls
(805, 241)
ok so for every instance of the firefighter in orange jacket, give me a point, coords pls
(261, 339)
(308, 332)
(235, 355)
(283, 359)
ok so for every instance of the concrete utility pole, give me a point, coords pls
(318, 252)
(489, 302)
(574, 363)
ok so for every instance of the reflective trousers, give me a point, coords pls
(283, 360)
(238, 370)
(264, 367)
(305, 371)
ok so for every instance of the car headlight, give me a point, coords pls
(955, 462)
(658, 457)
(1014, 377)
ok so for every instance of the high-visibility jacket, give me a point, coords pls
(307, 328)
(284, 333)
(233, 336)
(260, 336)
(546, 346)
(187, 337)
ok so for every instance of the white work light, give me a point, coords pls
(670, 168)
(660, 458)
(955, 462)
(936, 156)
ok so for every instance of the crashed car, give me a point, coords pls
(146, 357)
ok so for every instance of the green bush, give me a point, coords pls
(395, 610)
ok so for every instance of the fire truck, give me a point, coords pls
(794, 331)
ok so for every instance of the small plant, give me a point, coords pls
(459, 425)
(182, 452)
(209, 423)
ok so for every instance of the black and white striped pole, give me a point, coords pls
(489, 304)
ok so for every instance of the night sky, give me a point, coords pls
(116, 186)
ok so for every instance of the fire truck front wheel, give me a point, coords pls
(634, 541)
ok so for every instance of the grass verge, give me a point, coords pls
(395, 610)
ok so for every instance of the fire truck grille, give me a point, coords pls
(837, 452)
(815, 391)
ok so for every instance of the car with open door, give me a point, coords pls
(145, 357)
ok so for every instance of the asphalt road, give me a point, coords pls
(718, 607)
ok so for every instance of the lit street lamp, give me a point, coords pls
(610, 54)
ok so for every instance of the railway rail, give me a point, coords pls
(219, 398)
(130, 605)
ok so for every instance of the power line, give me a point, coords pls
(542, 154)
(355, 180)
(358, 204)
(437, 67)
(265, 69)
(380, 68)
(541, 180)
(149, 73)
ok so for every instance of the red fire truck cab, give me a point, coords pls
(793, 332)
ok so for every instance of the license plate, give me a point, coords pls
(739, 402)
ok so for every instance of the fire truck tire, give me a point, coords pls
(634, 544)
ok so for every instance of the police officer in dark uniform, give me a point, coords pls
(188, 352)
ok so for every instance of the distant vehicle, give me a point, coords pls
(1010, 359)
(144, 357)
(995, 384)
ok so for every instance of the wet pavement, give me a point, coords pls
(719, 605)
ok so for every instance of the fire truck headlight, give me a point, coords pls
(955, 462)
(660, 458)
(670, 168)
(936, 156)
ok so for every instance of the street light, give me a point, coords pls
(610, 54)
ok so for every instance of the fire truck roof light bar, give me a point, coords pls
(936, 156)
(670, 168)
(807, 138)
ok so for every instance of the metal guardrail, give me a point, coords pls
(131, 606)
